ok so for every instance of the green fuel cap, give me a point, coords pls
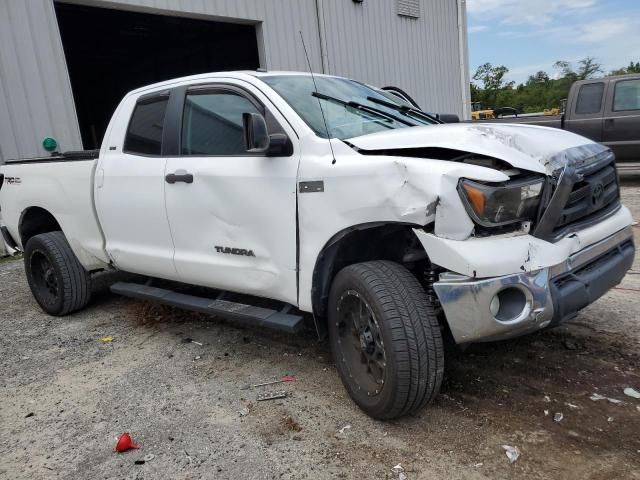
(49, 144)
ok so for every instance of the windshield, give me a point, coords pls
(351, 108)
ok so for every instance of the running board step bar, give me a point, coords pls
(240, 312)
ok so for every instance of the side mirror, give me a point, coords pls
(258, 140)
(448, 117)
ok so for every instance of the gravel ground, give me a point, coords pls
(65, 395)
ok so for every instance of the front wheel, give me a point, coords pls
(58, 281)
(385, 338)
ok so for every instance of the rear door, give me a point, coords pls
(129, 188)
(622, 118)
(586, 110)
(232, 213)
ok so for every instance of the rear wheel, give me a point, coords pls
(385, 339)
(58, 281)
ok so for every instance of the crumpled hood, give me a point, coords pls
(528, 147)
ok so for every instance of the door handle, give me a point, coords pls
(179, 176)
(609, 123)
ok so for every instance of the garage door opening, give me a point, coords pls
(110, 52)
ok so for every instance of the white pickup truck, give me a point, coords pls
(283, 195)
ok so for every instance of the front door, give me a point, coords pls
(622, 119)
(232, 214)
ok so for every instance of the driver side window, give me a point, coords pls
(212, 123)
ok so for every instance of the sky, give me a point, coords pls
(530, 35)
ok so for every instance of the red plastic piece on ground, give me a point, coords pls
(288, 379)
(125, 442)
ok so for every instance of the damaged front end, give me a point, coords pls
(529, 247)
(579, 246)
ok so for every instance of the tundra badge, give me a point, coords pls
(235, 251)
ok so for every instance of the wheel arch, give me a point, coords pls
(393, 241)
(34, 221)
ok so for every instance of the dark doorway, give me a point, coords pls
(111, 52)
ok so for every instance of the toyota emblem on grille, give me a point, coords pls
(596, 193)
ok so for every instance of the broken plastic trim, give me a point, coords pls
(578, 162)
(8, 239)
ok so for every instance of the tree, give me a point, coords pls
(539, 77)
(632, 68)
(492, 79)
(587, 68)
(565, 68)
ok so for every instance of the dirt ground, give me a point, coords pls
(65, 395)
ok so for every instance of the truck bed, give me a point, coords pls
(63, 186)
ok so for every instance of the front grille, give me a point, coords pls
(595, 194)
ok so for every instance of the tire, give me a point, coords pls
(385, 338)
(58, 281)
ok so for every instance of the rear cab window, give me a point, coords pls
(144, 133)
(626, 95)
(590, 98)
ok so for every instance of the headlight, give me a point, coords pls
(509, 202)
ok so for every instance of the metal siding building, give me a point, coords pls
(417, 45)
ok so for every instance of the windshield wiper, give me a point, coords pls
(359, 106)
(405, 109)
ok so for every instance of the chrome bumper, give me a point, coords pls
(548, 296)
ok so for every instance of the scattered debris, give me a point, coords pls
(402, 476)
(610, 419)
(513, 453)
(198, 357)
(125, 442)
(191, 340)
(397, 469)
(265, 384)
(630, 392)
(571, 405)
(478, 464)
(346, 427)
(147, 458)
(546, 413)
(291, 425)
(596, 396)
(272, 395)
(30, 414)
(244, 412)
(107, 339)
(570, 344)
(285, 379)
(558, 417)
(547, 398)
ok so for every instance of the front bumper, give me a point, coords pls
(534, 300)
